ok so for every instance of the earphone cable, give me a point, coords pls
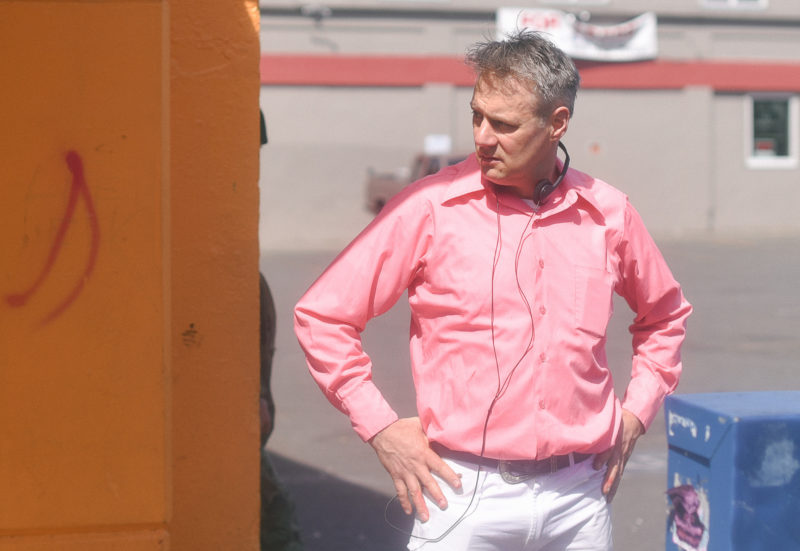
(502, 385)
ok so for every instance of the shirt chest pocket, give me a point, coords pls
(593, 299)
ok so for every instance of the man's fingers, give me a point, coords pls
(445, 472)
(418, 500)
(421, 483)
(616, 457)
(403, 449)
(411, 488)
(610, 478)
(402, 496)
(433, 490)
(410, 497)
(612, 490)
(601, 459)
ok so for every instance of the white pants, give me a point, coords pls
(563, 511)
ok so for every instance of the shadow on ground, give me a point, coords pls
(327, 508)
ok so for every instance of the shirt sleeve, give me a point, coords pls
(659, 325)
(363, 282)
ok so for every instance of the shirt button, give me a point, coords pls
(542, 405)
(542, 310)
(541, 263)
(542, 356)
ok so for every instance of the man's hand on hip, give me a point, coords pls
(403, 449)
(617, 456)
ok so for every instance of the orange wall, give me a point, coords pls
(128, 275)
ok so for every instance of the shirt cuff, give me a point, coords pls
(644, 399)
(368, 410)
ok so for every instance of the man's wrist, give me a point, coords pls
(633, 423)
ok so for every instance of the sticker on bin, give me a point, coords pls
(688, 517)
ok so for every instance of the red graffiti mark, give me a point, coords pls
(79, 190)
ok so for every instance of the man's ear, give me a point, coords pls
(559, 121)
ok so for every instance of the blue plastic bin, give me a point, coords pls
(734, 471)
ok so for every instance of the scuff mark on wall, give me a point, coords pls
(78, 190)
(192, 337)
(778, 465)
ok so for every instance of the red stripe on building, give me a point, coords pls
(352, 70)
(720, 76)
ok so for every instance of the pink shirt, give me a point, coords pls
(548, 300)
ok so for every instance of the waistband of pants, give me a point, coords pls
(529, 467)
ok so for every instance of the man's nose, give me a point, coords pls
(484, 135)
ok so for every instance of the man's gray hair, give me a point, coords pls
(530, 58)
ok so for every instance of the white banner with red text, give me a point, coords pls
(632, 40)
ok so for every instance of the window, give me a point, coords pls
(735, 4)
(772, 128)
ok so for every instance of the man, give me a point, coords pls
(509, 260)
(278, 527)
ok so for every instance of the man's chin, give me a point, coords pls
(508, 185)
(493, 174)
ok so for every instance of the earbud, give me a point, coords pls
(542, 190)
(546, 187)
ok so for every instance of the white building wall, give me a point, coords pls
(653, 145)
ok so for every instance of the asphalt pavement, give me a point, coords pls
(743, 336)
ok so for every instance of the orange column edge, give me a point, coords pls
(214, 148)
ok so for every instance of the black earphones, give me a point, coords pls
(546, 187)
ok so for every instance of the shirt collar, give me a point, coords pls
(575, 185)
(467, 181)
